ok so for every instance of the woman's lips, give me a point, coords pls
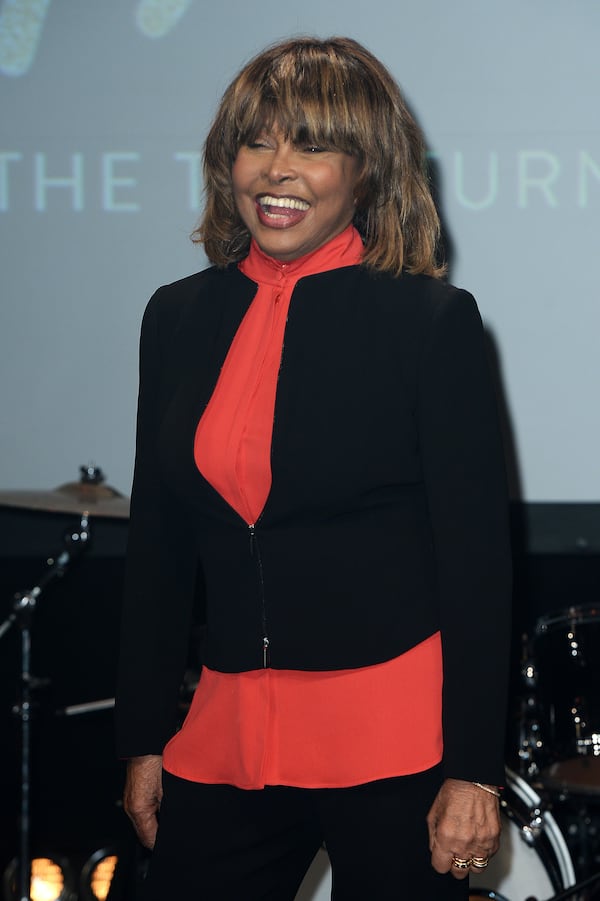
(280, 212)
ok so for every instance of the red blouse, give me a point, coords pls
(283, 727)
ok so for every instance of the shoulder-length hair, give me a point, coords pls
(336, 94)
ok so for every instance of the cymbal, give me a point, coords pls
(86, 496)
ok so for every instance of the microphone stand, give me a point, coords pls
(23, 606)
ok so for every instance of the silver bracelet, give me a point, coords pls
(485, 788)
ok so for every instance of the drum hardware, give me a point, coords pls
(530, 832)
(585, 745)
(530, 734)
(531, 742)
(89, 495)
(88, 707)
(24, 604)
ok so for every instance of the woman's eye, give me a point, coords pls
(313, 148)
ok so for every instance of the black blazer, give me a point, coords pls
(387, 517)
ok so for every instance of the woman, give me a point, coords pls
(318, 451)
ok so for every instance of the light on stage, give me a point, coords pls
(97, 875)
(51, 880)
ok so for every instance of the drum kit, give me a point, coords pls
(550, 848)
(551, 803)
(88, 498)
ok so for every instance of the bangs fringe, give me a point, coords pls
(305, 97)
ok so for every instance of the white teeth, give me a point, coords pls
(288, 203)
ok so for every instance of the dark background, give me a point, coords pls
(75, 778)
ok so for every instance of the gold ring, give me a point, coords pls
(480, 863)
(461, 863)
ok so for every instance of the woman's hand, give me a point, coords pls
(142, 796)
(463, 823)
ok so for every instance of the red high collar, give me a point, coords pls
(346, 249)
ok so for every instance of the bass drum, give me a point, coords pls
(533, 858)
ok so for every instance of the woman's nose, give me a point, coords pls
(281, 163)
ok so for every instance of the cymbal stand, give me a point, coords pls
(24, 604)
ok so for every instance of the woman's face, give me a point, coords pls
(293, 198)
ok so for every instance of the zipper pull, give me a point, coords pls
(265, 652)
(251, 530)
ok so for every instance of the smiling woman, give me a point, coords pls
(317, 452)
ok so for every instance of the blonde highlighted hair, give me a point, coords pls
(336, 94)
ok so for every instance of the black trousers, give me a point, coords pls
(219, 843)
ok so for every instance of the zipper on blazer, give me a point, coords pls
(255, 553)
(254, 548)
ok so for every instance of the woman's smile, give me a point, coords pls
(280, 212)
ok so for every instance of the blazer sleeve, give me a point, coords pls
(466, 490)
(159, 575)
